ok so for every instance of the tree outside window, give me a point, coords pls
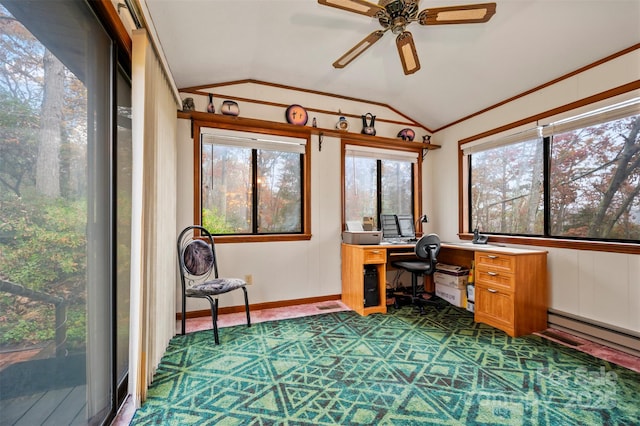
(375, 186)
(595, 181)
(592, 180)
(251, 188)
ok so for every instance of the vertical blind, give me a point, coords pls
(154, 216)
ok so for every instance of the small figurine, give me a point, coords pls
(188, 105)
(210, 107)
(230, 108)
(342, 124)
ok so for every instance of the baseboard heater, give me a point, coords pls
(624, 340)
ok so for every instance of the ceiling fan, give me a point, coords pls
(395, 15)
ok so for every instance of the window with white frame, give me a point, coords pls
(575, 177)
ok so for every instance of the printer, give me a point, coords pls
(362, 237)
(355, 234)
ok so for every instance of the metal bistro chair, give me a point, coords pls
(198, 266)
(427, 249)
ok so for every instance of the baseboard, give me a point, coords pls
(618, 338)
(259, 306)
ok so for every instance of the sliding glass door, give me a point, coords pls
(63, 220)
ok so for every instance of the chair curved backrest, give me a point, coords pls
(428, 248)
(196, 255)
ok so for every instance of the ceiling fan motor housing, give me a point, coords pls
(398, 14)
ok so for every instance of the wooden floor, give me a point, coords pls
(54, 407)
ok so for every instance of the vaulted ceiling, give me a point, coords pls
(464, 68)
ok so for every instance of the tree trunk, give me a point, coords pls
(536, 190)
(625, 165)
(48, 162)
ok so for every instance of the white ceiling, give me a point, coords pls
(465, 68)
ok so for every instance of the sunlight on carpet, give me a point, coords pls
(400, 368)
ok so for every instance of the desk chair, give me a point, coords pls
(199, 274)
(427, 249)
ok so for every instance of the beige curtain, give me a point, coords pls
(153, 263)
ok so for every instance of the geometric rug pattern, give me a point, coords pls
(395, 369)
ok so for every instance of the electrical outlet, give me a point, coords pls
(248, 279)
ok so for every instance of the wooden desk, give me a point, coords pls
(511, 284)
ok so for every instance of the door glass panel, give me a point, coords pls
(55, 180)
(123, 225)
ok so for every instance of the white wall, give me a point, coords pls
(281, 270)
(603, 287)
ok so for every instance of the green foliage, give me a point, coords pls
(30, 328)
(49, 243)
(215, 223)
(18, 143)
(44, 249)
(27, 330)
(76, 328)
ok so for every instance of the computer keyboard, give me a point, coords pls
(399, 241)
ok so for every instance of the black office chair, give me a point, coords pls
(198, 266)
(427, 248)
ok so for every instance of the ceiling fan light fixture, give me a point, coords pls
(397, 15)
(408, 54)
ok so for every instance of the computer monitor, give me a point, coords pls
(389, 226)
(406, 226)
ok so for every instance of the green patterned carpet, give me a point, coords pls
(395, 369)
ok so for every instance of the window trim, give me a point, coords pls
(417, 174)
(197, 125)
(464, 231)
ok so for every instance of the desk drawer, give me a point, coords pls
(495, 277)
(374, 256)
(495, 307)
(496, 261)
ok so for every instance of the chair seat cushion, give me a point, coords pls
(215, 286)
(414, 267)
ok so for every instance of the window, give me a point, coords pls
(589, 188)
(378, 181)
(506, 191)
(252, 183)
(594, 175)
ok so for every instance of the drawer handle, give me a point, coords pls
(493, 274)
(375, 251)
(490, 290)
(492, 256)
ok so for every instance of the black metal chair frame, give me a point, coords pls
(205, 276)
(427, 248)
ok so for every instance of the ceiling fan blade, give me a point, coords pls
(362, 7)
(465, 14)
(356, 50)
(408, 54)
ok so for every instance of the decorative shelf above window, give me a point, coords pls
(264, 124)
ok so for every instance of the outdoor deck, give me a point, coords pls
(54, 407)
